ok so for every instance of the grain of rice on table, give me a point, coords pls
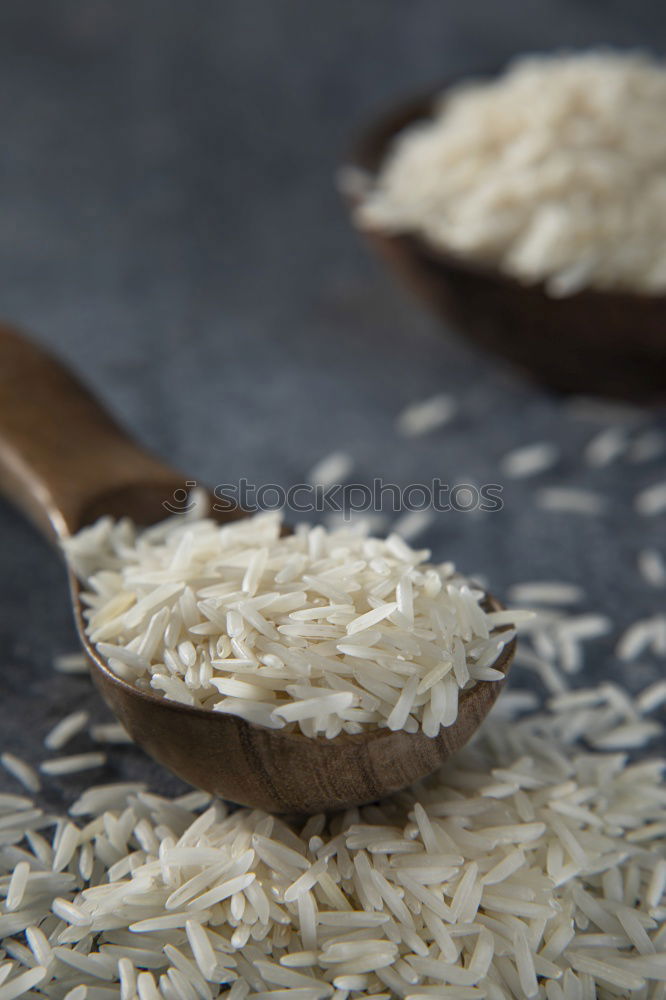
(531, 866)
(553, 171)
(529, 460)
(426, 415)
(327, 631)
(333, 468)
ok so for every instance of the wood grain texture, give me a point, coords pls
(64, 462)
(63, 459)
(604, 342)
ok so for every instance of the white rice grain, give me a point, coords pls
(331, 470)
(570, 500)
(608, 445)
(65, 730)
(546, 592)
(652, 500)
(110, 732)
(72, 663)
(73, 764)
(23, 983)
(529, 460)
(21, 770)
(652, 567)
(414, 523)
(425, 416)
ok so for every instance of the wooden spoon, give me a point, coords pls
(612, 343)
(64, 462)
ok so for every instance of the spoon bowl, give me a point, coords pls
(64, 462)
(611, 343)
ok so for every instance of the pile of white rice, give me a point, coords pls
(531, 867)
(555, 172)
(329, 631)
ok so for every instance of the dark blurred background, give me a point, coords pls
(170, 226)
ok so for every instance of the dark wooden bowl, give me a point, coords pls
(607, 343)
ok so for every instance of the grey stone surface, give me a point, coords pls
(169, 225)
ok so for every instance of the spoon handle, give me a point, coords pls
(62, 457)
